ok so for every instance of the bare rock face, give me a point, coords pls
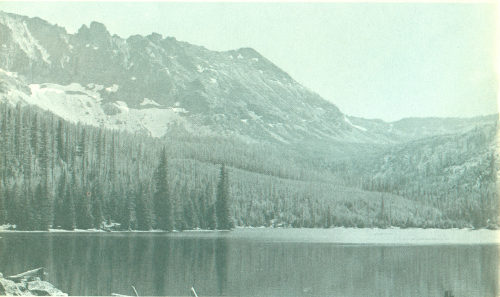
(27, 284)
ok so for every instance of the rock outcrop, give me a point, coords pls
(29, 283)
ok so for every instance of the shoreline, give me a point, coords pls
(337, 235)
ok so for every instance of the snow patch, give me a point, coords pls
(147, 101)
(112, 89)
(122, 106)
(213, 80)
(240, 56)
(133, 78)
(95, 87)
(199, 68)
(76, 103)
(355, 126)
(8, 73)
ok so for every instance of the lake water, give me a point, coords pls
(250, 263)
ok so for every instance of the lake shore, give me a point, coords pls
(337, 235)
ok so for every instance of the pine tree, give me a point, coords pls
(97, 213)
(81, 151)
(202, 206)
(127, 220)
(113, 205)
(143, 210)
(34, 134)
(3, 209)
(44, 195)
(61, 153)
(36, 203)
(211, 221)
(17, 130)
(68, 206)
(180, 224)
(222, 213)
(189, 213)
(84, 219)
(162, 201)
(59, 210)
(26, 212)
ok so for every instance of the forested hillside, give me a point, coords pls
(457, 173)
(73, 176)
(148, 132)
(61, 175)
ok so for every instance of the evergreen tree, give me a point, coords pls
(68, 206)
(211, 221)
(180, 224)
(36, 203)
(113, 205)
(12, 205)
(26, 212)
(97, 213)
(59, 210)
(84, 219)
(82, 152)
(222, 213)
(202, 206)
(34, 134)
(3, 209)
(162, 200)
(143, 210)
(44, 195)
(127, 220)
(60, 142)
(189, 213)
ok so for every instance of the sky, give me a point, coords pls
(375, 60)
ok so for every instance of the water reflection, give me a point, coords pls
(221, 262)
(156, 264)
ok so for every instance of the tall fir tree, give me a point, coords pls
(162, 201)
(26, 211)
(143, 209)
(210, 217)
(68, 217)
(59, 200)
(60, 141)
(84, 219)
(46, 215)
(222, 211)
(97, 204)
(3, 208)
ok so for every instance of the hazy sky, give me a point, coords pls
(372, 60)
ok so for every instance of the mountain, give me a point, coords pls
(113, 104)
(163, 86)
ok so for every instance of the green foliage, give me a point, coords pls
(446, 181)
(162, 200)
(143, 210)
(222, 211)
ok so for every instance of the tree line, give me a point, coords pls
(59, 175)
(70, 175)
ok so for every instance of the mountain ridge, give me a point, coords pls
(183, 87)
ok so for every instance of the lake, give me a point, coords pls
(261, 262)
